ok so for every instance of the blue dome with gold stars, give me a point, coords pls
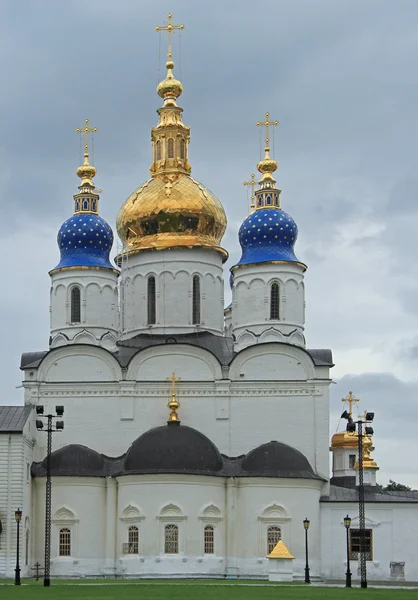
(85, 240)
(268, 235)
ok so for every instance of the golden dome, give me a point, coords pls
(86, 172)
(169, 87)
(171, 211)
(343, 439)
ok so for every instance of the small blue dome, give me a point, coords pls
(85, 240)
(267, 235)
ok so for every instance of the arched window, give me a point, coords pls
(158, 150)
(65, 542)
(274, 535)
(182, 148)
(133, 539)
(209, 539)
(171, 539)
(170, 148)
(27, 548)
(151, 312)
(75, 305)
(274, 301)
(196, 300)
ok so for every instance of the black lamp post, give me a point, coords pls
(18, 517)
(59, 426)
(306, 524)
(347, 525)
(368, 430)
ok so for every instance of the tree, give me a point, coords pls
(393, 486)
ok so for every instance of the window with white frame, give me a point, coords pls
(64, 542)
(351, 460)
(355, 544)
(133, 539)
(171, 539)
(151, 308)
(274, 301)
(196, 300)
(209, 539)
(75, 305)
(274, 535)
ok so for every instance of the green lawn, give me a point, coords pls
(175, 590)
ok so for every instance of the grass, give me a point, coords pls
(208, 590)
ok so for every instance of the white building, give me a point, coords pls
(135, 495)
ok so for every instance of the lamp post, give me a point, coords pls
(368, 430)
(18, 517)
(306, 524)
(347, 525)
(50, 429)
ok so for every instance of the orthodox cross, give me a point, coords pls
(169, 28)
(252, 183)
(267, 123)
(173, 380)
(86, 130)
(350, 399)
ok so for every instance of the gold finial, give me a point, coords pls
(173, 404)
(86, 171)
(267, 123)
(350, 400)
(252, 183)
(169, 28)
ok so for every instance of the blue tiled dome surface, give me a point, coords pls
(85, 240)
(268, 235)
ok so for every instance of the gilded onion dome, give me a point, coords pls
(171, 209)
(348, 440)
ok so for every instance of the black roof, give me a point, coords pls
(13, 418)
(176, 448)
(371, 494)
(220, 346)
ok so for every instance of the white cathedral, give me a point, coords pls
(196, 437)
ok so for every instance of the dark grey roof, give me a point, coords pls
(176, 448)
(220, 346)
(13, 418)
(371, 494)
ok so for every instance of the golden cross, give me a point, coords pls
(350, 399)
(173, 380)
(252, 183)
(267, 123)
(86, 130)
(169, 28)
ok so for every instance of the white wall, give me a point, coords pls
(173, 271)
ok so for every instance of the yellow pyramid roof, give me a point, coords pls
(280, 551)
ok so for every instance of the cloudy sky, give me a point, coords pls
(339, 75)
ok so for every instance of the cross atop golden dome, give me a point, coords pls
(173, 403)
(170, 88)
(86, 171)
(267, 165)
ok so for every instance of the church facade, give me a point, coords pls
(196, 437)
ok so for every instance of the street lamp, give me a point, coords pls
(347, 525)
(368, 430)
(306, 524)
(59, 426)
(18, 517)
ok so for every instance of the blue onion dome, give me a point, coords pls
(268, 234)
(85, 239)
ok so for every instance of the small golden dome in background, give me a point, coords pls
(169, 87)
(343, 439)
(168, 212)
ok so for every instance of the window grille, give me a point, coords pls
(196, 300)
(133, 540)
(182, 149)
(274, 301)
(65, 542)
(274, 535)
(75, 305)
(170, 148)
(158, 150)
(171, 539)
(151, 301)
(355, 544)
(209, 535)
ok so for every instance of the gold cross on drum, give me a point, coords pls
(173, 380)
(267, 123)
(350, 400)
(169, 28)
(86, 130)
(252, 183)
